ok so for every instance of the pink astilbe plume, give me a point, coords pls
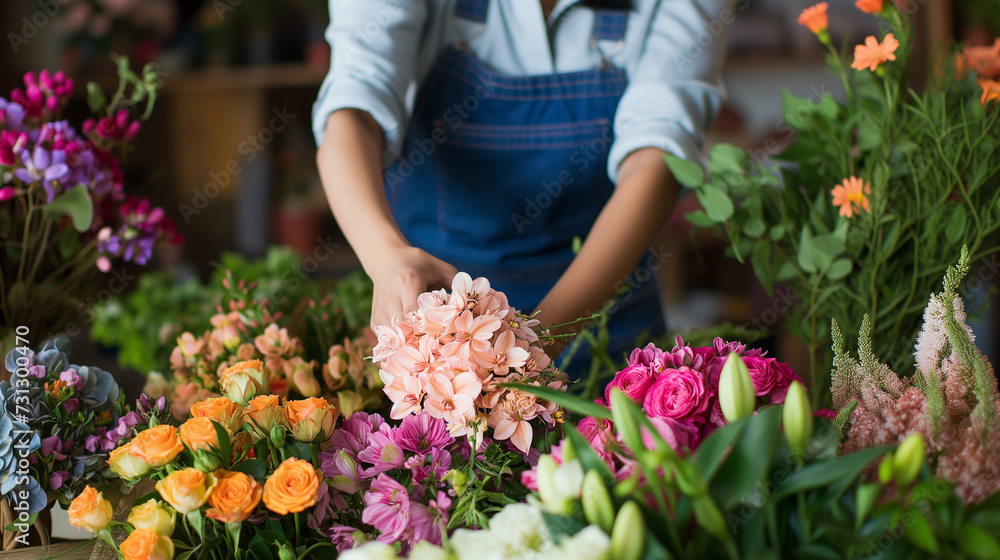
(452, 357)
(952, 401)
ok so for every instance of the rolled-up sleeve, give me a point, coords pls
(675, 88)
(374, 46)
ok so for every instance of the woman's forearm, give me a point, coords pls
(350, 168)
(642, 202)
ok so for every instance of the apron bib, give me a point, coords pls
(498, 173)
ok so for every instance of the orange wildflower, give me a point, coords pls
(871, 54)
(869, 6)
(984, 61)
(850, 193)
(815, 18)
(991, 91)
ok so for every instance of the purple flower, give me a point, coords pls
(57, 478)
(382, 453)
(92, 442)
(344, 537)
(387, 508)
(72, 405)
(645, 356)
(41, 165)
(422, 432)
(37, 371)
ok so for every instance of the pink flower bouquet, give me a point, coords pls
(679, 391)
(454, 357)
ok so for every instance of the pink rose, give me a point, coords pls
(633, 381)
(770, 378)
(598, 433)
(678, 435)
(680, 394)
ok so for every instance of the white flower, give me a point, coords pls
(370, 551)
(589, 544)
(426, 551)
(558, 487)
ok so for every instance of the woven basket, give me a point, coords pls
(8, 516)
(101, 550)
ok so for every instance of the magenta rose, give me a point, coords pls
(633, 381)
(678, 435)
(680, 394)
(771, 378)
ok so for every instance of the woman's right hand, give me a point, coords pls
(400, 276)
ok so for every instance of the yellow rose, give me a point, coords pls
(187, 489)
(311, 420)
(125, 464)
(90, 510)
(222, 410)
(145, 544)
(292, 488)
(158, 445)
(245, 380)
(234, 498)
(264, 412)
(153, 515)
(199, 433)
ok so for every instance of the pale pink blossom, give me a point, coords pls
(511, 416)
(505, 355)
(453, 399)
(275, 342)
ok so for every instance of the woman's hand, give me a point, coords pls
(400, 276)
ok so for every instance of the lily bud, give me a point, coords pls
(544, 474)
(568, 450)
(736, 393)
(908, 460)
(796, 415)
(563, 485)
(709, 517)
(885, 474)
(597, 506)
(628, 537)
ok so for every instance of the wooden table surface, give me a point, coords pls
(40, 552)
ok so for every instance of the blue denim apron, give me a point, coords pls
(498, 174)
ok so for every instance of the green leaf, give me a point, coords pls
(919, 531)
(588, 457)
(224, 446)
(754, 227)
(197, 522)
(255, 468)
(748, 460)
(869, 135)
(560, 526)
(797, 111)
(708, 457)
(716, 203)
(816, 475)
(956, 225)
(978, 543)
(806, 251)
(865, 499)
(699, 219)
(687, 173)
(829, 107)
(564, 399)
(74, 203)
(839, 269)
(726, 158)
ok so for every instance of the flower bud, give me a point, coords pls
(797, 418)
(458, 480)
(597, 506)
(885, 474)
(565, 488)
(544, 474)
(311, 420)
(908, 460)
(125, 464)
(244, 381)
(710, 518)
(154, 515)
(736, 393)
(628, 537)
(278, 436)
(568, 450)
(206, 461)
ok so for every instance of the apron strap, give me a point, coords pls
(609, 25)
(472, 10)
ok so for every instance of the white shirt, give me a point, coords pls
(672, 53)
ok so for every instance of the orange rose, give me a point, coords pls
(292, 488)
(199, 433)
(158, 445)
(311, 419)
(264, 412)
(125, 464)
(244, 380)
(90, 510)
(145, 544)
(187, 489)
(222, 410)
(234, 498)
